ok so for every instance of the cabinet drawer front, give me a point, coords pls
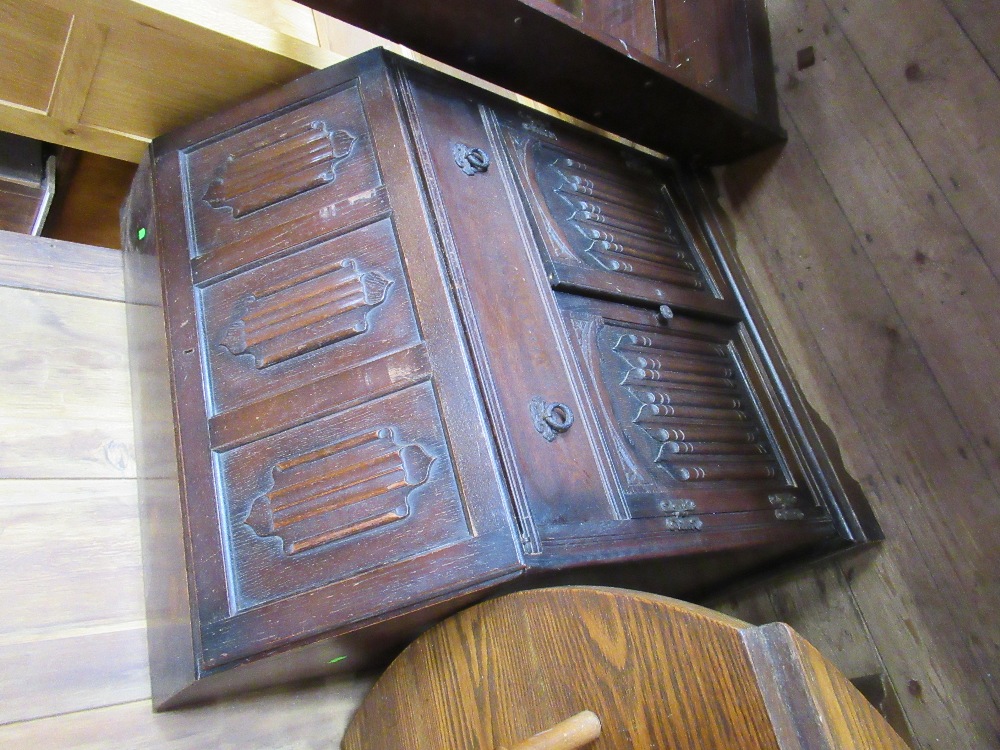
(686, 416)
(271, 186)
(609, 222)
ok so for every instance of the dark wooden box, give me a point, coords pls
(398, 344)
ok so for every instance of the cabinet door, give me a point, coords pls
(565, 246)
(607, 221)
(692, 424)
(336, 464)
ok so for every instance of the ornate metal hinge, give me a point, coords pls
(550, 418)
(679, 516)
(784, 506)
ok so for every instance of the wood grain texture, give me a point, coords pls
(849, 721)
(70, 672)
(77, 66)
(32, 37)
(810, 703)
(45, 265)
(920, 251)
(71, 551)
(503, 671)
(73, 655)
(64, 409)
(72, 635)
(903, 399)
(310, 717)
(819, 604)
(575, 732)
(108, 75)
(656, 672)
(879, 279)
(981, 24)
(946, 99)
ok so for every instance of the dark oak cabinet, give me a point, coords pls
(398, 343)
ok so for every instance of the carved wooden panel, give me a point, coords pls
(687, 394)
(323, 307)
(306, 315)
(608, 220)
(617, 220)
(399, 381)
(339, 490)
(339, 495)
(251, 192)
(686, 433)
(283, 166)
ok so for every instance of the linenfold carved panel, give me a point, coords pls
(323, 310)
(689, 400)
(339, 490)
(673, 399)
(339, 495)
(617, 221)
(300, 313)
(283, 166)
(281, 182)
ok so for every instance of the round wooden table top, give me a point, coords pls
(656, 672)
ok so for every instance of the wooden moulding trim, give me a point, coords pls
(34, 123)
(815, 537)
(482, 562)
(46, 265)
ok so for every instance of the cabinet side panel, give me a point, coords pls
(317, 370)
(168, 611)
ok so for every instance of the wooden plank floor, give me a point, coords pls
(73, 670)
(873, 241)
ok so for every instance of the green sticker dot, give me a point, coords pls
(336, 659)
(141, 234)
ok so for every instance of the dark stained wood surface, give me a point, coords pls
(658, 673)
(326, 423)
(24, 198)
(695, 84)
(354, 400)
(888, 601)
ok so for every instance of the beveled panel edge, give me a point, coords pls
(545, 131)
(397, 589)
(650, 539)
(404, 367)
